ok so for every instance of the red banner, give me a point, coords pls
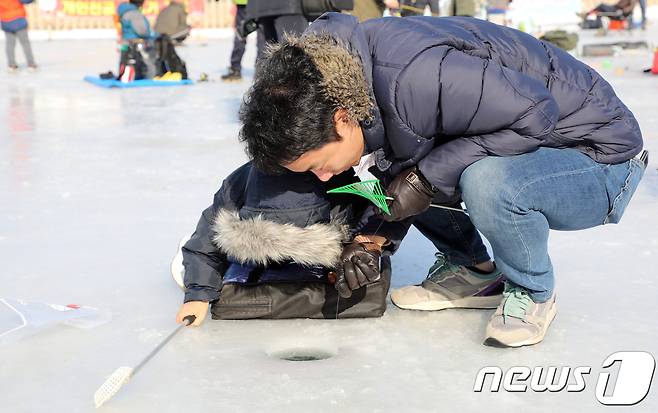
(151, 8)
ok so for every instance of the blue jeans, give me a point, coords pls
(454, 235)
(514, 201)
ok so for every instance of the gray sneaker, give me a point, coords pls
(451, 286)
(519, 321)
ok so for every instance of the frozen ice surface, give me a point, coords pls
(97, 186)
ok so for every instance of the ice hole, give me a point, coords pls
(302, 354)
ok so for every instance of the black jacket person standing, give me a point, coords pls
(276, 17)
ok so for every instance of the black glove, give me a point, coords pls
(359, 266)
(411, 193)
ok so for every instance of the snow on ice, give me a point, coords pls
(98, 186)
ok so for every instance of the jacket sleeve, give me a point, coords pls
(204, 263)
(139, 24)
(487, 109)
(394, 232)
(371, 223)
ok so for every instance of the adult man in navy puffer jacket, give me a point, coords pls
(445, 109)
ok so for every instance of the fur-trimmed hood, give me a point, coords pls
(261, 220)
(338, 37)
(256, 240)
(344, 68)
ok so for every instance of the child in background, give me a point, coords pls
(172, 21)
(134, 24)
(137, 60)
(14, 23)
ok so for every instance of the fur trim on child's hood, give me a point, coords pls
(260, 241)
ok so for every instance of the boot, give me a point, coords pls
(233, 75)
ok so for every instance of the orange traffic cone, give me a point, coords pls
(654, 66)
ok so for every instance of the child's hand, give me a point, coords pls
(196, 308)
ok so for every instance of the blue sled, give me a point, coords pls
(110, 83)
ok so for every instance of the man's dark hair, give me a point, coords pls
(286, 111)
(138, 3)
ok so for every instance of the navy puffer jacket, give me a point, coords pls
(257, 220)
(449, 91)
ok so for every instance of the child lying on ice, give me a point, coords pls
(269, 247)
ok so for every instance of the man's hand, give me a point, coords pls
(411, 194)
(359, 266)
(196, 308)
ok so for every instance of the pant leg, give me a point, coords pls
(434, 7)
(454, 235)
(266, 27)
(260, 44)
(605, 8)
(643, 10)
(367, 9)
(422, 4)
(515, 200)
(239, 44)
(290, 23)
(10, 48)
(25, 43)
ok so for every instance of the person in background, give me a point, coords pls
(643, 9)
(623, 8)
(137, 40)
(234, 72)
(465, 8)
(276, 17)
(134, 24)
(14, 23)
(172, 21)
(372, 9)
(417, 7)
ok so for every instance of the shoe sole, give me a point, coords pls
(493, 342)
(482, 303)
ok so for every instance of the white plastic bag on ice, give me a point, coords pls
(19, 319)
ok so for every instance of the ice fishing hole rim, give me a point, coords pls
(301, 353)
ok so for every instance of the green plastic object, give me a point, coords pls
(371, 190)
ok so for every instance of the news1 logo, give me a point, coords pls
(630, 387)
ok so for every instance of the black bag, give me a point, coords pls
(302, 300)
(167, 60)
(316, 8)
